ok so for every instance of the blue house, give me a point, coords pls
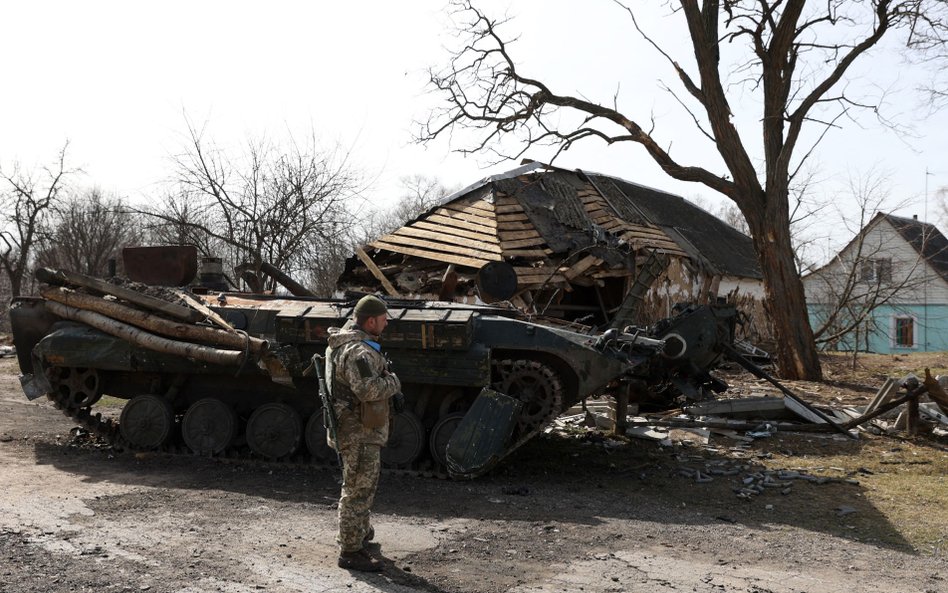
(885, 292)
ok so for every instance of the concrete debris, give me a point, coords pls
(698, 436)
(888, 411)
(7, 351)
(750, 480)
(744, 420)
(745, 407)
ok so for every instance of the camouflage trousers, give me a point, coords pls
(360, 477)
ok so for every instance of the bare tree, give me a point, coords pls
(26, 203)
(794, 58)
(327, 256)
(271, 203)
(175, 220)
(88, 230)
(420, 193)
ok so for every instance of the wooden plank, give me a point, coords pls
(594, 212)
(459, 223)
(527, 252)
(646, 233)
(612, 273)
(514, 235)
(386, 284)
(889, 387)
(509, 209)
(468, 262)
(455, 232)
(651, 238)
(476, 208)
(659, 237)
(410, 232)
(482, 205)
(581, 266)
(515, 226)
(437, 246)
(199, 306)
(511, 218)
(538, 280)
(667, 246)
(508, 245)
(477, 217)
(528, 270)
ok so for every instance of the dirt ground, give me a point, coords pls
(566, 513)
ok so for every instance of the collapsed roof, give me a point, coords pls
(555, 229)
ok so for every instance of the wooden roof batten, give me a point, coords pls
(503, 219)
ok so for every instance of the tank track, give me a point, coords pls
(509, 372)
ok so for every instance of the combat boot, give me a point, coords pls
(360, 561)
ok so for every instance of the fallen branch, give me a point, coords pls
(145, 320)
(61, 278)
(144, 339)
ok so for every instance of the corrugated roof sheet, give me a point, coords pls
(701, 234)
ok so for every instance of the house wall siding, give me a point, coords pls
(915, 290)
(922, 284)
(930, 329)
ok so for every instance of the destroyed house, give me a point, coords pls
(886, 291)
(569, 244)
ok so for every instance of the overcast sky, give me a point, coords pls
(117, 78)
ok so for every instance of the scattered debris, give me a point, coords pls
(764, 431)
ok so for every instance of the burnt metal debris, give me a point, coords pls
(223, 373)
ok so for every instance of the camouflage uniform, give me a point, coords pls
(361, 386)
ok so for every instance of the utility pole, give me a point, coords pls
(926, 266)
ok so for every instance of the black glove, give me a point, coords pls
(398, 402)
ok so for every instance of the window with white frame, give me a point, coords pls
(903, 334)
(876, 270)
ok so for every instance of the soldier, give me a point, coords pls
(361, 386)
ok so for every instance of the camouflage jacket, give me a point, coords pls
(359, 383)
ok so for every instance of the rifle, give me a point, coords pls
(329, 412)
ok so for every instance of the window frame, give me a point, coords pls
(913, 320)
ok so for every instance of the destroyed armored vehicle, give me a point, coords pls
(225, 373)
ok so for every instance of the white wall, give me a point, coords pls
(913, 280)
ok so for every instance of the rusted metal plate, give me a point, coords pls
(174, 265)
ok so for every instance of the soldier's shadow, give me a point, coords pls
(394, 579)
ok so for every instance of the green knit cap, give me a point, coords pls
(370, 306)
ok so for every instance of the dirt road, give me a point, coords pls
(562, 515)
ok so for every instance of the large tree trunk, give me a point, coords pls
(785, 300)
